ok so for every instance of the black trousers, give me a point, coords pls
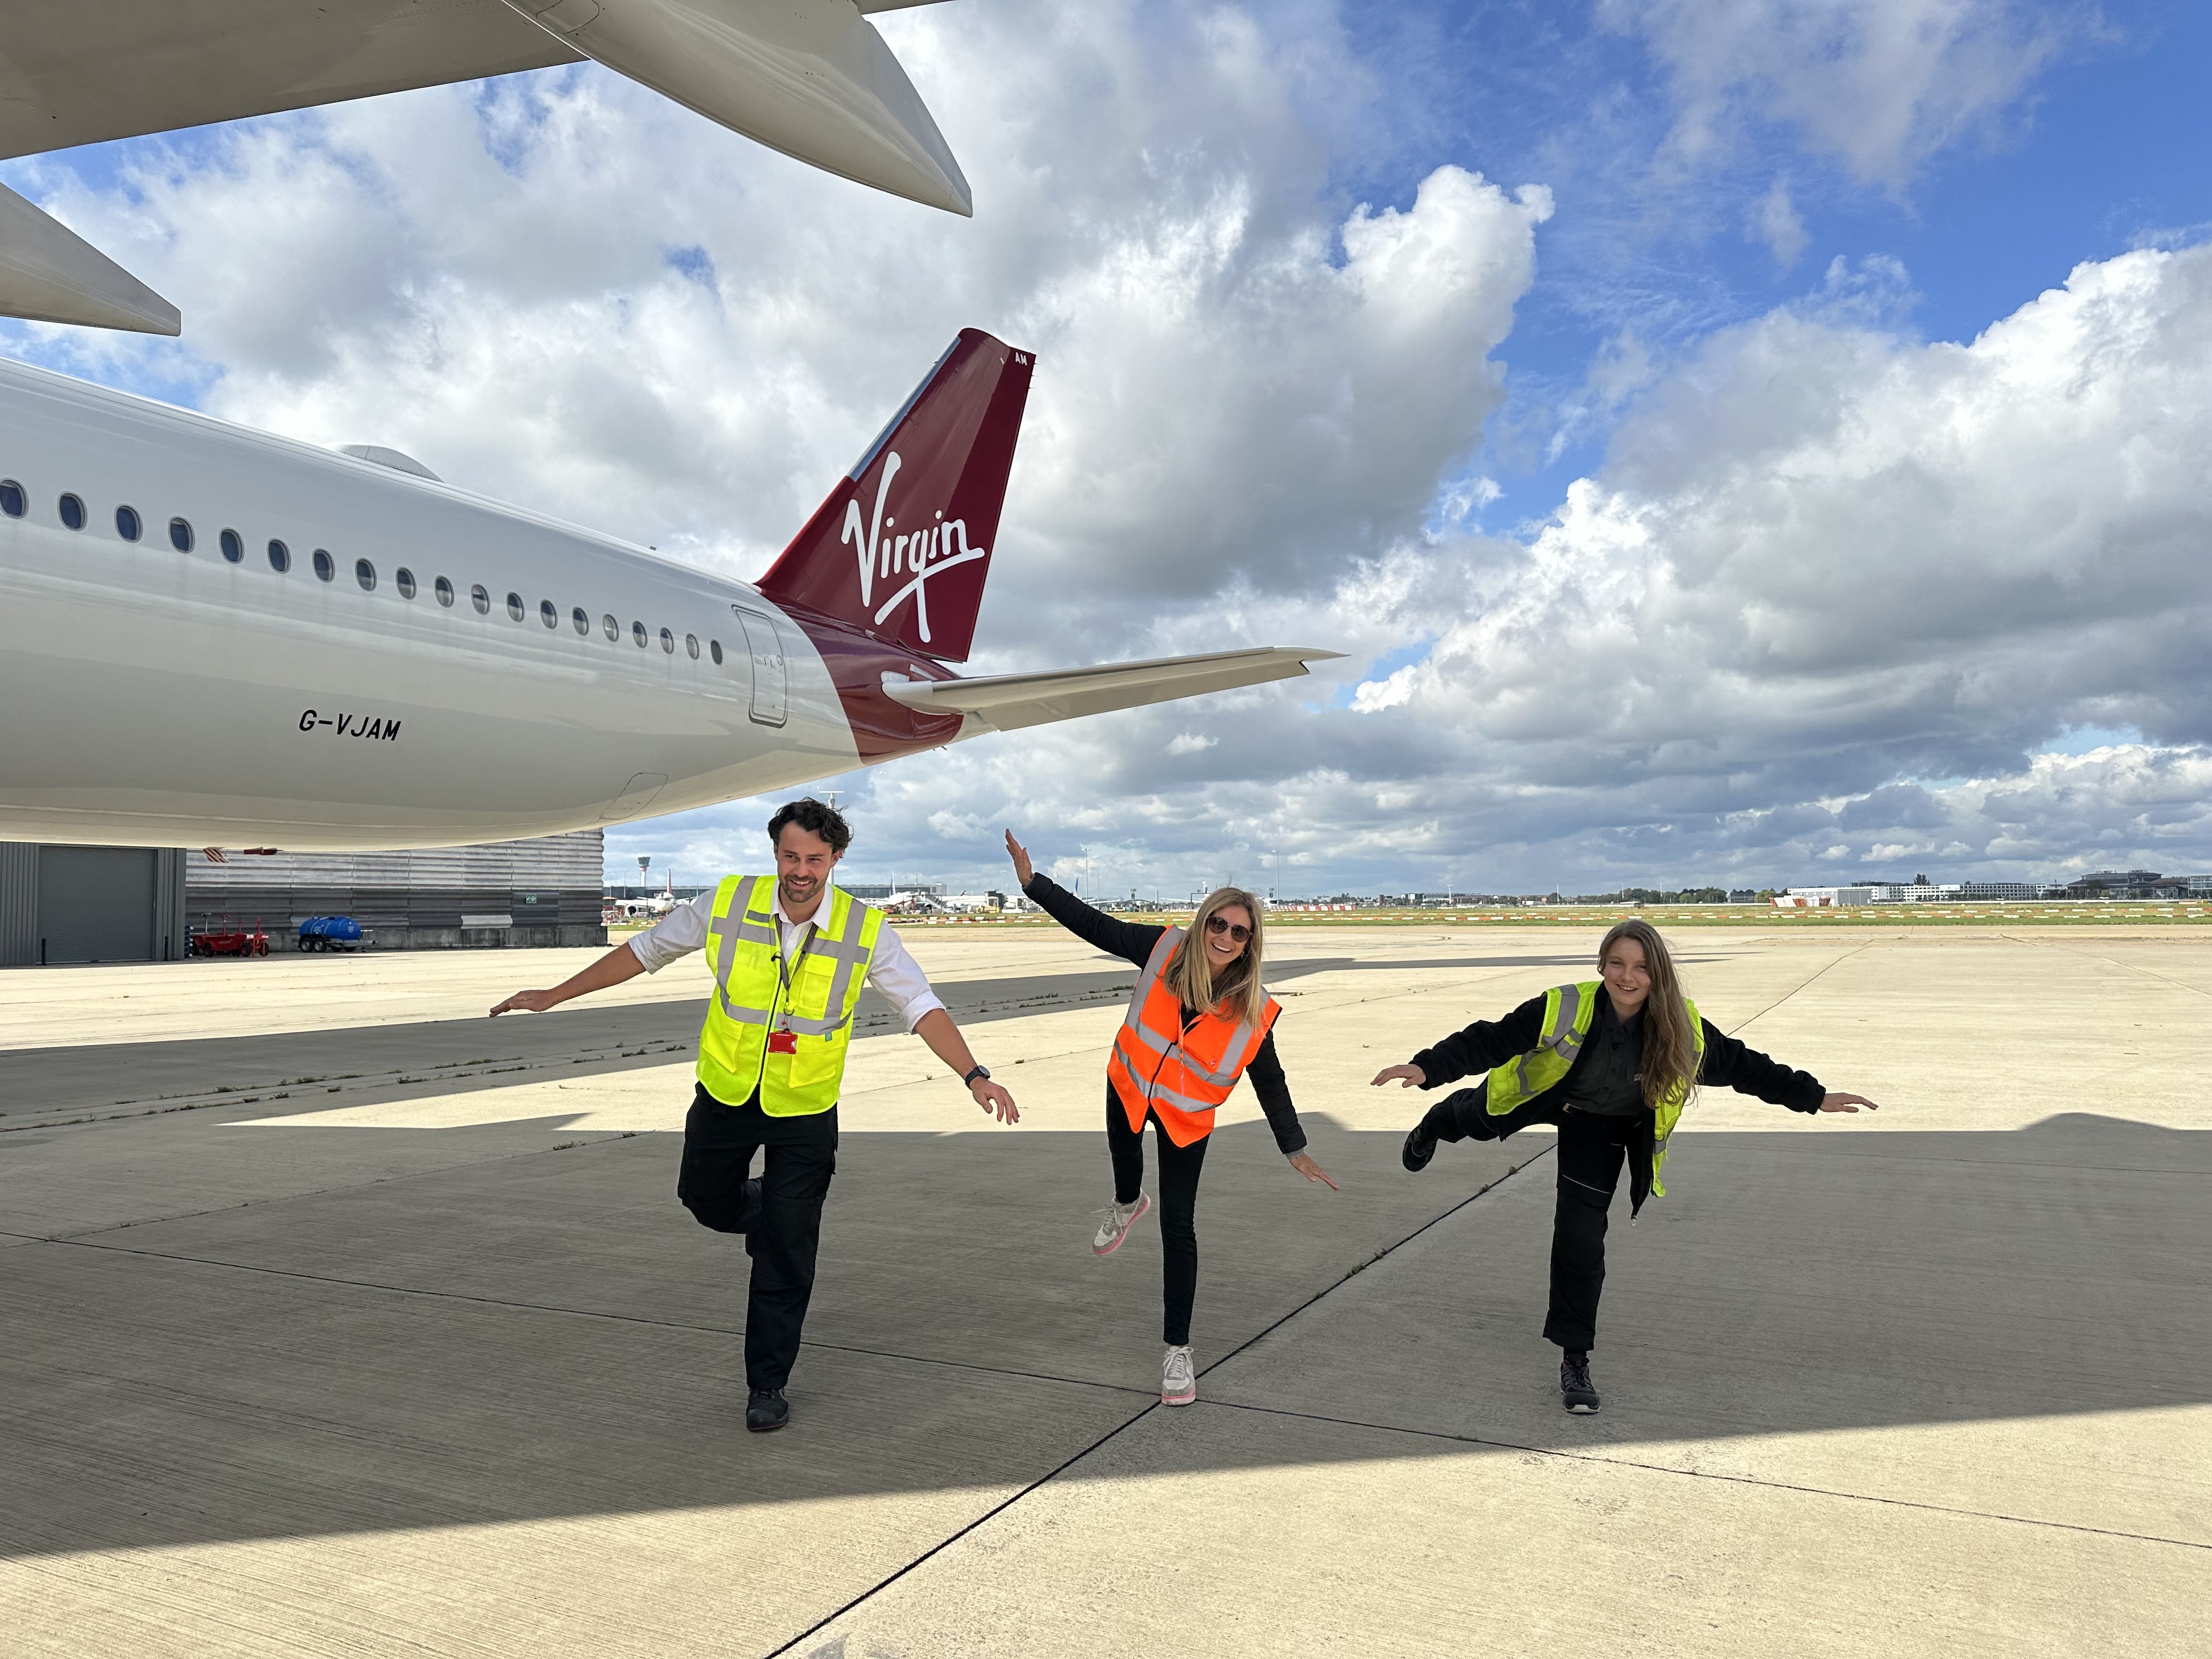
(780, 1217)
(1592, 1149)
(1179, 1171)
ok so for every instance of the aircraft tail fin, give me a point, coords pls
(900, 548)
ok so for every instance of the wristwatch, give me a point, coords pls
(980, 1070)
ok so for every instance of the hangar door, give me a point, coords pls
(97, 904)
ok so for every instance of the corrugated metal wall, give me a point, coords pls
(19, 904)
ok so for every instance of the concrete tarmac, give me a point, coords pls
(335, 1319)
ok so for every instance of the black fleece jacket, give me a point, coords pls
(1727, 1063)
(1133, 942)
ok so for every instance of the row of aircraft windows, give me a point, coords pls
(14, 504)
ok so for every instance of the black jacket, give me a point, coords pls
(1133, 942)
(1727, 1062)
(1489, 1043)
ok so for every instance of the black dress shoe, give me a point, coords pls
(766, 1409)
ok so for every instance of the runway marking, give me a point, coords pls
(1706, 1475)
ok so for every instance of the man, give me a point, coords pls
(772, 1059)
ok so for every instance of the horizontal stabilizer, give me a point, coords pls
(1009, 701)
(49, 274)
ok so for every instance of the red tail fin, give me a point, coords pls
(902, 547)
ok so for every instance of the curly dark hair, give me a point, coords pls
(814, 816)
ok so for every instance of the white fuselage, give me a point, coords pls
(157, 697)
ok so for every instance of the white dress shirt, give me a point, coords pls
(890, 970)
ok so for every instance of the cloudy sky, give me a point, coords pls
(1746, 441)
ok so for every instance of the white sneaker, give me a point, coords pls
(1178, 1377)
(1116, 1220)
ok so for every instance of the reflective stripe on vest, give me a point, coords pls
(752, 997)
(1183, 1072)
(1569, 1012)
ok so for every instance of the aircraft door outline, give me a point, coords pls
(771, 700)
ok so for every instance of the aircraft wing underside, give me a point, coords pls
(809, 77)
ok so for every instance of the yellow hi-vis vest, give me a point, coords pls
(1568, 1011)
(754, 993)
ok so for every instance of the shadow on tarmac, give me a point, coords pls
(457, 1056)
(550, 1335)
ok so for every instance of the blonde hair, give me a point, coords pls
(1670, 1049)
(1190, 975)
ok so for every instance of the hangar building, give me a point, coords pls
(74, 904)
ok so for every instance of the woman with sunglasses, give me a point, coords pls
(1200, 1019)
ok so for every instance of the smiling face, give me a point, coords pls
(1222, 929)
(803, 863)
(1627, 975)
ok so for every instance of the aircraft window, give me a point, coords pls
(691, 644)
(233, 548)
(72, 513)
(326, 568)
(444, 590)
(181, 535)
(613, 627)
(514, 606)
(126, 523)
(637, 633)
(547, 614)
(583, 622)
(714, 648)
(11, 498)
(405, 579)
(279, 557)
(667, 640)
(365, 574)
(481, 600)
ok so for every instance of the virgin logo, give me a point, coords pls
(887, 553)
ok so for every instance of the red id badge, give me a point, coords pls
(783, 1042)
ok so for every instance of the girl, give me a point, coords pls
(1613, 1072)
(1200, 1019)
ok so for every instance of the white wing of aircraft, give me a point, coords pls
(217, 637)
(811, 78)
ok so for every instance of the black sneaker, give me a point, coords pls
(1420, 1147)
(1576, 1392)
(766, 1409)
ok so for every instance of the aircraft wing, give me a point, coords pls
(811, 78)
(1007, 702)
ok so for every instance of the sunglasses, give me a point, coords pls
(1223, 925)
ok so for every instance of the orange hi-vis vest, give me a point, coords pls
(1180, 1071)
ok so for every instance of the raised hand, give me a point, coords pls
(1409, 1077)
(1832, 1102)
(1020, 854)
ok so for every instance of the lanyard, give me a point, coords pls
(812, 930)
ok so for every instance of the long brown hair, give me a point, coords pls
(1190, 975)
(1670, 1050)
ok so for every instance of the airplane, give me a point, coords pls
(811, 78)
(217, 636)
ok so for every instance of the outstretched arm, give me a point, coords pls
(1131, 941)
(1744, 1069)
(1485, 1043)
(612, 968)
(937, 1029)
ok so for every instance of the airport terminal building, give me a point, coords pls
(76, 904)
